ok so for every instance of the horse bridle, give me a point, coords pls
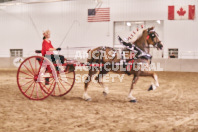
(152, 34)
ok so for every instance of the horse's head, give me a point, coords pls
(153, 38)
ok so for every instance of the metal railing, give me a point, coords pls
(75, 52)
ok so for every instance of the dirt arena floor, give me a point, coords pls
(173, 107)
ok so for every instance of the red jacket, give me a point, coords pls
(45, 47)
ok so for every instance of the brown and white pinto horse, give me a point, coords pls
(149, 36)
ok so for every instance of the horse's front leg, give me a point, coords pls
(154, 76)
(101, 74)
(154, 86)
(130, 96)
(87, 81)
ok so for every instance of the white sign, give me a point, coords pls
(17, 61)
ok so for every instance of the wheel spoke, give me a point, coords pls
(48, 89)
(45, 87)
(42, 92)
(37, 91)
(52, 84)
(25, 78)
(67, 77)
(26, 83)
(28, 87)
(65, 82)
(28, 69)
(32, 91)
(54, 92)
(59, 88)
(27, 74)
(63, 85)
(31, 66)
(35, 66)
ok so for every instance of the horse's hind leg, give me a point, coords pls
(99, 77)
(130, 96)
(87, 81)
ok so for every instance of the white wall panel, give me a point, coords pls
(18, 31)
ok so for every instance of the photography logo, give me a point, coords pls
(17, 61)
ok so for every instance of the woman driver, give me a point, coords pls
(48, 52)
(48, 49)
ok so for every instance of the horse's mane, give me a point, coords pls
(136, 36)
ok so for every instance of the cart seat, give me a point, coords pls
(37, 51)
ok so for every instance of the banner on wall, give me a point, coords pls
(181, 12)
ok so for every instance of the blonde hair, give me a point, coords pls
(45, 33)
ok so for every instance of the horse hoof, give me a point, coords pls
(104, 93)
(133, 101)
(150, 88)
(89, 99)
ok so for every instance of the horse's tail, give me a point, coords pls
(90, 57)
(88, 50)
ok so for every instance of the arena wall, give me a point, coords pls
(22, 25)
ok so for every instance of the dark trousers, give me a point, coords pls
(55, 58)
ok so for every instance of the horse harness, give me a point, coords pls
(152, 35)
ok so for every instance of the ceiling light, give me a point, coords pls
(128, 24)
(158, 21)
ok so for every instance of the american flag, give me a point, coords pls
(99, 15)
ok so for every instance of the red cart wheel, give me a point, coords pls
(65, 81)
(31, 77)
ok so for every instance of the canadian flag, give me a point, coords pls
(181, 12)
